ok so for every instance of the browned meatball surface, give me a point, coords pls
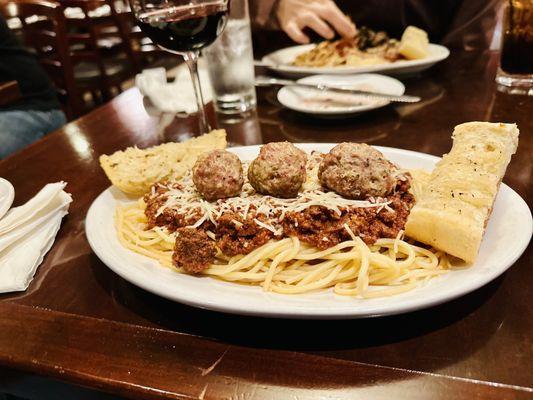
(279, 170)
(357, 171)
(217, 175)
(193, 251)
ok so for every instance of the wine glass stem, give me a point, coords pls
(191, 58)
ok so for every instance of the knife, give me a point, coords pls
(269, 81)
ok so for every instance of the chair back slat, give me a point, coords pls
(85, 5)
(93, 27)
(24, 10)
(43, 42)
(54, 69)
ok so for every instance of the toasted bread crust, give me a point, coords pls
(135, 170)
(455, 204)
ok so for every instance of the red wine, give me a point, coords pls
(185, 28)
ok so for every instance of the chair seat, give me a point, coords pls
(88, 71)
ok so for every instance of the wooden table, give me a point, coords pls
(82, 324)
(9, 92)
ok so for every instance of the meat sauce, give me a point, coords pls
(238, 236)
(324, 228)
(154, 200)
(319, 226)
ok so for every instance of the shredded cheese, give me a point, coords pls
(182, 197)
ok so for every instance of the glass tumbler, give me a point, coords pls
(516, 62)
(230, 63)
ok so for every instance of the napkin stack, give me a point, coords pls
(27, 233)
(177, 96)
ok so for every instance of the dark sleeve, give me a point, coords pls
(473, 25)
(18, 64)
(262, 13)
(455, 23)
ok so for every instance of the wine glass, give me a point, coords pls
(183, 27)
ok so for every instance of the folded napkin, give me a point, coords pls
(7, 193)
(173, 97)
(27, 233)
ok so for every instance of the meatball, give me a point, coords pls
(217, 175)
(193, 251)
(279, 170)
(357, 171)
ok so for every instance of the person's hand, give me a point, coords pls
(322, 16)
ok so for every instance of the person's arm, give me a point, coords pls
(473, 25)
(293, 16)
(18, 64)
(262, 13)
(322, 16)
(456, 23)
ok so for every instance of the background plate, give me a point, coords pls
(295, 97)
(508, 233)
(281, 60)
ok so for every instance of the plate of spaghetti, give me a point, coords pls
(297, 231)
(368, 51)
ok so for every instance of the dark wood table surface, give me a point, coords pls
(9, 92)
(80, 323)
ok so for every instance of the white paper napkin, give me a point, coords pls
(27, 233)
(177, 96)
(20, 261)
(48, 197)
(7, 193)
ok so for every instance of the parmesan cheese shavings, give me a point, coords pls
(189, 203)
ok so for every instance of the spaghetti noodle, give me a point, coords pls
(290, 266)
(348, 52)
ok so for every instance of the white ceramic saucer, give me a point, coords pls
(331, 104)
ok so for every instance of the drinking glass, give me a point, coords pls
(516, 63)
(230, 63)
(183, 27)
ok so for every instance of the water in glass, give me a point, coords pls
(231, 68)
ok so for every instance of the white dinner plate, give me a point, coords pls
(7, 194)
(281, 60)
(336, 104)
(508, 233)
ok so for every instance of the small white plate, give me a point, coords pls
(281, 62)
(7, 194)
(332, 104)
(507, 236)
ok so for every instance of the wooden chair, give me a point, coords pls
(43, 29)
(120, 27)
(144, 50)
(98, 46)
